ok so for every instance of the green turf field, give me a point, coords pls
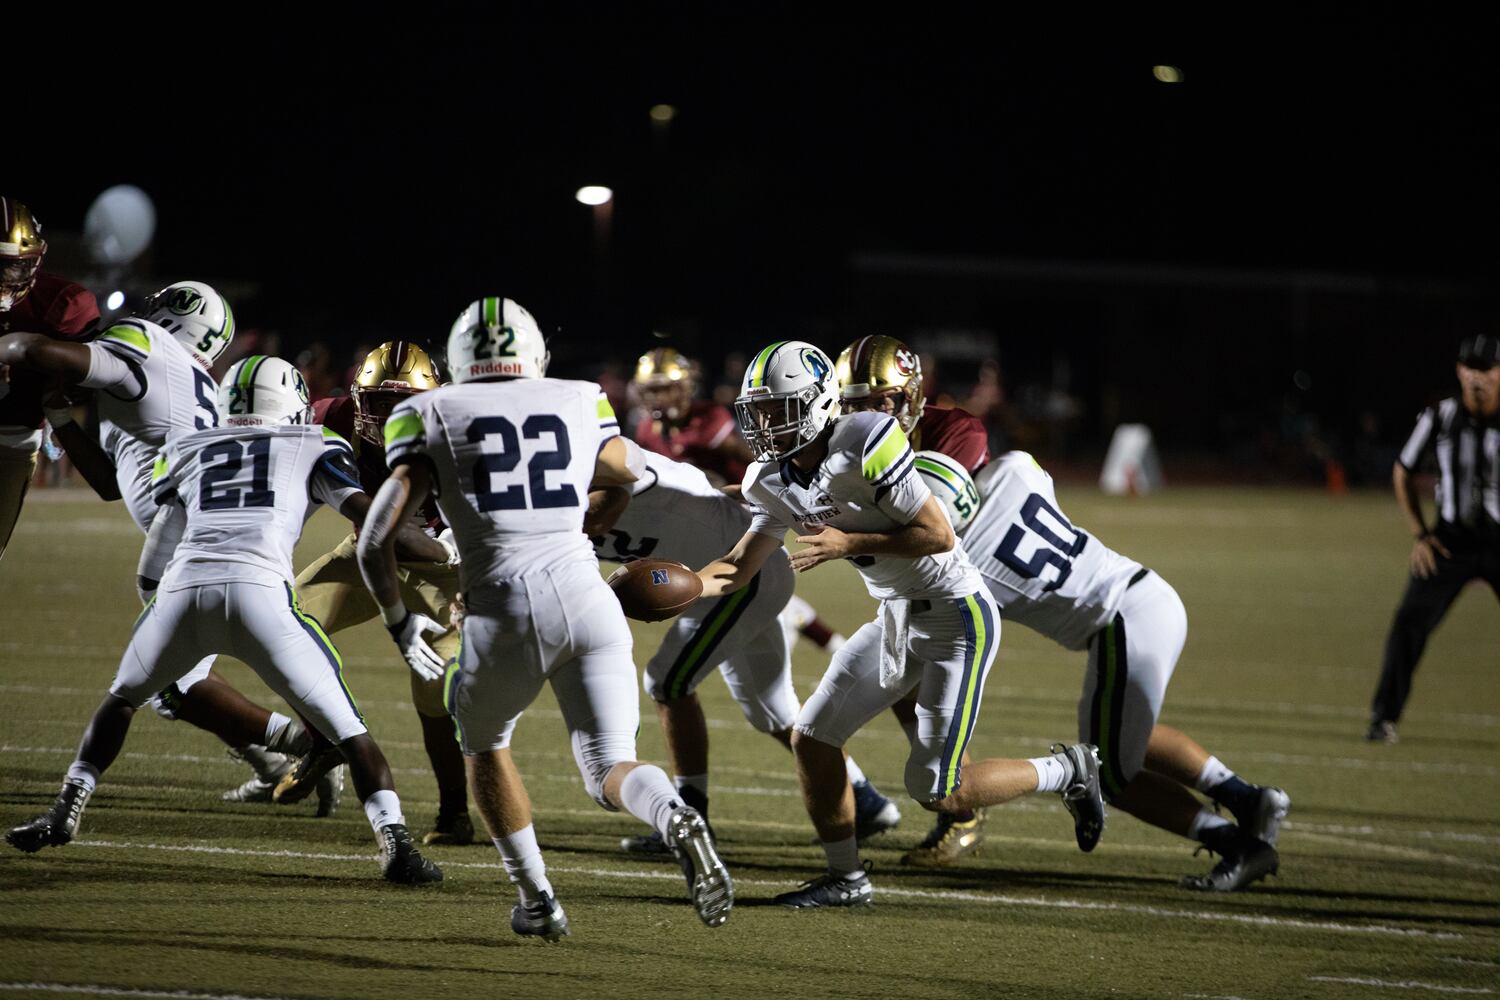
(1390, 875)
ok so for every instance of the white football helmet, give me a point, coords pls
(196, 315)
(494, 338)
(789, 395)
(261, 392)
(952, 485)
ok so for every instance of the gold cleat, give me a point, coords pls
(949, 841)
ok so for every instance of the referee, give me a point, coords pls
(1464, 433)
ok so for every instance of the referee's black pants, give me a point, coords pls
(1422, 608)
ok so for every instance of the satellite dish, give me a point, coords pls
(119, 225)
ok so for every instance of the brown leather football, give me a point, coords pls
(652, 590)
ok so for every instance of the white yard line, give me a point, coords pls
(956, 896)
(120, 991)
(1399, 984)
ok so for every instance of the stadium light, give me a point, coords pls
(663, 113)
(594, 194)
(116, 300)
(1167, 74)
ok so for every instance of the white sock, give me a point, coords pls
(835, 643)
(843, 857)
(1214, 774)
(1206, 819)
(382, 809)
(695, 781)
(523, 863)
(275, 726)
(83, 774)
(1052, 773)
(798, 612)
(648, 796)
(855, 774)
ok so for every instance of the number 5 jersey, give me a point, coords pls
(248, 491)
(512, 462)
(1043, 572)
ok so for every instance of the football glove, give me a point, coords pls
(446, 540)
(409, 634)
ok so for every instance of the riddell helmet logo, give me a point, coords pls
(906, 361)
(495, 368)
(184, 301)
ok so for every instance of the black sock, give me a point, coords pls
(1220, 839)
(1236, 794)
(692, 797)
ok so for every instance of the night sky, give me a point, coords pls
(377, 176)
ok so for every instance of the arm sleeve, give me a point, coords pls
(609, 424)
(335, 477)
(405, 434)
(115, 370)
(1421, 439)
(161, 541)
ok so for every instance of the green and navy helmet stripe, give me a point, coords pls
(697, 652)
(491, 311)
(227, 330)
(1107, 709)
(981, 640)
(246, 381)
(941, 472)
(330, 651)
(755, 375)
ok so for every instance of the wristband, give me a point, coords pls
(61, 417)
(1425, 534)
(393, 615)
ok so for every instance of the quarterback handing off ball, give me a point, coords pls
(652, 590)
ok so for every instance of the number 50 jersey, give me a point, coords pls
(248, 491)
(512, 462)
(1043, 572)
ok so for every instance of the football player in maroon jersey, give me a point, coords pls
(883, 374)
(331, 590)
(31, 301)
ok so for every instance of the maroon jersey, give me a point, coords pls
(699, 442)
(953, 432)
(337, 414)
(54, 306)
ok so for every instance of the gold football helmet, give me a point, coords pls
(881, 373)
(21, 251)
(395, 369)
(667, 382)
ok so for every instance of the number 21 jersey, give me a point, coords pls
(248, 491)
(1043, 572)
(512, 463)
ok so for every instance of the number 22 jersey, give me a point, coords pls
(512, 463)
(1043, 572)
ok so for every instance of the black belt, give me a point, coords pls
(1139, 576)
(920, 607)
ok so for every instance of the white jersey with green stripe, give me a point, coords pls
(149, 388)
(868, 482)
(674, 513)
(1041, 569)
(512, 461)
(248, 491)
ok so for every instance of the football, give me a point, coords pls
(652, 590)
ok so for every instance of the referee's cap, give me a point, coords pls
(1479, 350)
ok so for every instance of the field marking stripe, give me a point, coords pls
(949, 895)
(1411, 853)
(1399, 984)
(120, 991)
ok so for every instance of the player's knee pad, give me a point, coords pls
(596, 755)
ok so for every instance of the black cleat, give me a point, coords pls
(544, 919)
(55, 827)
(452, 831)
(646, 843)
(1246, 860)
(829, 889)
(401, 862)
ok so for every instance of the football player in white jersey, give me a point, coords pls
(848, 485)
(150, 376)
(511, 455)
(1051, 576)
(674, 512)
(236, 498)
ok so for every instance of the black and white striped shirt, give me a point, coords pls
(1468, 460)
